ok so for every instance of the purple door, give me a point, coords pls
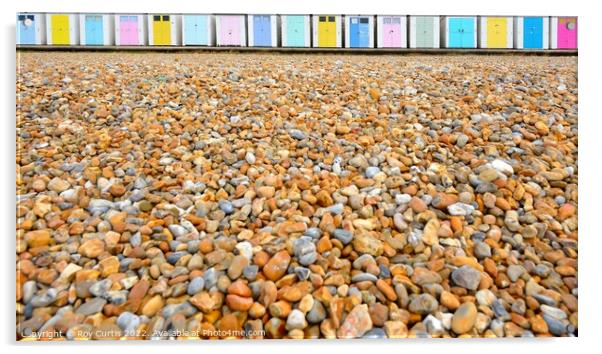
(391, 32)
(230, 30)
(128, 30)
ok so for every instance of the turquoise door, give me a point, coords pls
(295, 31)
(94, 30)
(26, 29)
(424, 32)
(461, 32)
(195, 30)
(468, 32)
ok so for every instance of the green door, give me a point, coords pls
(424, 32)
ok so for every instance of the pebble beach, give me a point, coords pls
(268, 196)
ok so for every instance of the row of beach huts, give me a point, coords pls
(318, 31)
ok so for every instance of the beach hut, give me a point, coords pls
(424, 31)
(327, 31)
(198, 30)
(459, 31)
(130, 29)
(359, 31)
(96, 29)
(262, 30)
(496, 32)
(391, 31)
(296, 31)
(563, 32)
(230, 30)
(531, 32)
(163, 29)
(31, 28)
(61, 29)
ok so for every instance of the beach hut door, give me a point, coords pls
(532, 32)
(162, 29)
(391, 31)
(327, 31)
(496, 32)
(196, 30)
(262, 32)
(424, 32)
(567, 32)
(60, 29)
(26, 28)
(295, 31)
(94, 30)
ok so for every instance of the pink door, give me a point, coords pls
(391, 32)
(230, 30)
(567, 32)
(128, 30)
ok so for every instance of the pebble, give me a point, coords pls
(195, 286)
(466, 277)
(229, 191)
(317, 313)
(356, 324)
(58, 185)
(277, 266)
(514, 271)
(226, 206)
(460, 209)
(423, 304)
(128, 322)
(295, 320)
(344, 236)
(91, 306)
(372, 171)
(464, 318)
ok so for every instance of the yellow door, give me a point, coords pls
(161, 30)
(327, 31)
(496, 32)
(60, 29)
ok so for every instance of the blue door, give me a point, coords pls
(262, 32)
(94, 30)
(359, 35)
(26, 28)
(533, 32)
(295, 31)
(195, 30)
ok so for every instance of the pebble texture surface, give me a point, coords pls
(296, 196)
